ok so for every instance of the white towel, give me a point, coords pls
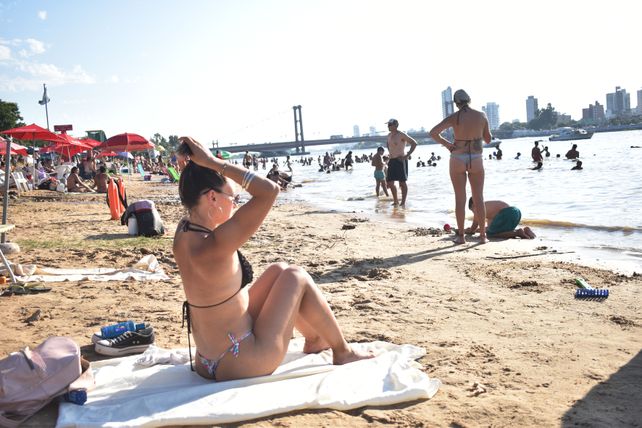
(146, 269)
(130, 395)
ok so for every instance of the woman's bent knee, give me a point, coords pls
(277, 268)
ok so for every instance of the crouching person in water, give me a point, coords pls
(241, 331)
(502, 220)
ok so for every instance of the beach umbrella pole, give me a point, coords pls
(5, 199)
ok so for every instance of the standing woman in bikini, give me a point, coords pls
(241, 331)
(470, 128)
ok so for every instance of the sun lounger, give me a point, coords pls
(4, 228)
(20, 181)
(173, 174)
(141, 170)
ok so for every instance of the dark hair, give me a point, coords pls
(194, 179)
(470, 203)
(74, 169)
(381, 148)
(102, 169)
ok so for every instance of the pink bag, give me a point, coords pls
(30, 379)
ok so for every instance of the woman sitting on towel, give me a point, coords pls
(241, 331)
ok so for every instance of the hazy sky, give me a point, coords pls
(232, 70)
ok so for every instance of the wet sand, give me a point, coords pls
(504, 335)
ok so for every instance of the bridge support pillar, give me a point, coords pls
(298, 128)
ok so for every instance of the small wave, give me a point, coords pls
(570, 224)
(361, 198)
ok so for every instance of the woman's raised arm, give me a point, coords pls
(233, 233)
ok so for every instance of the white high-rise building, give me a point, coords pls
(492, 113)
(618, 103)
(447, 106)
(373, 130)
(355, 131)
(531, 108)
(640, 101)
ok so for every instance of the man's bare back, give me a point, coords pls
(493, 208)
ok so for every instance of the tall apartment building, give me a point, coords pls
(594, 113)
(618, 103)
(355, 131)
(531, 108)
(640, 101)
(492, 113)
(447, 105)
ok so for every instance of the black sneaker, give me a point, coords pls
(130, 342)
(98, 336)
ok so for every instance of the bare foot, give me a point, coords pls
(529, 232)
(521, 233)
(313, 346)
(482, 239)
(350, 356)
(460, 240)
(395, 204)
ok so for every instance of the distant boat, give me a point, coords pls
(567, 134)
(336, 152)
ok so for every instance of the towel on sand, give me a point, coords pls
(128, 394)
(146, 269)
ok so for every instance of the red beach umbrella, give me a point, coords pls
(32, 132)
(106, 153)
(71, 146)
(16, 149)
(126, 143)
(90, 142)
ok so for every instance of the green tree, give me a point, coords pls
(545, 119)
(9, 116)
(172, 144)
(158, 140)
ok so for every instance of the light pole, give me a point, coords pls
(44, 101)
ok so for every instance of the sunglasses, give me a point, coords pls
(234, 197)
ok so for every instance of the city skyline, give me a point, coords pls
(231, 71)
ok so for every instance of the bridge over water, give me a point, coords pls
(300, 146)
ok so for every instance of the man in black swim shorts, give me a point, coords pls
(398, 163)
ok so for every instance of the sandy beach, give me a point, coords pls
(499, 322)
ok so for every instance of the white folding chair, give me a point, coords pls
(20, 181)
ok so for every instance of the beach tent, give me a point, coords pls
(126, 143)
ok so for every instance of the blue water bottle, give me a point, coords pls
(111, 331)
(77, 396)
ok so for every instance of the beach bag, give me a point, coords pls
(30, 379)
(148, 219)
